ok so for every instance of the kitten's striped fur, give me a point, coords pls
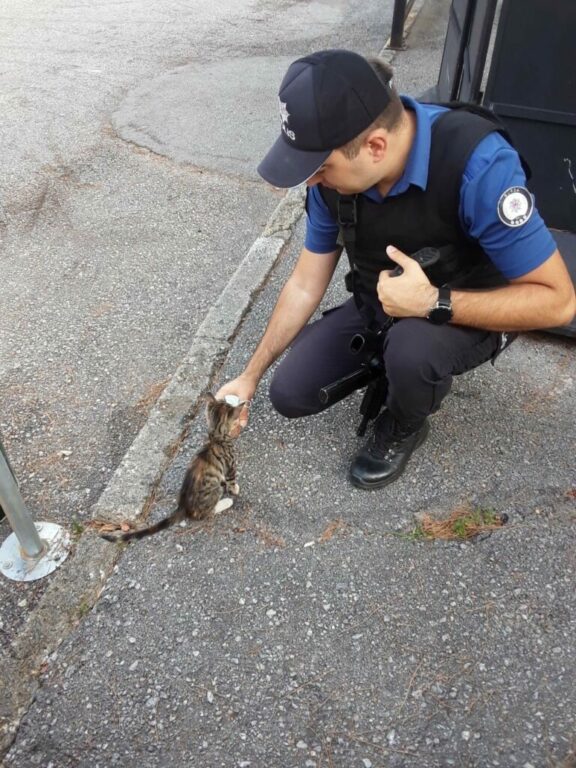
(211, 472)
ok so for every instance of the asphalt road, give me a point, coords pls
(310, 627)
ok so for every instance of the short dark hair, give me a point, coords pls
(389, 119)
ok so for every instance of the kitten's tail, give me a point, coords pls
(175, 517)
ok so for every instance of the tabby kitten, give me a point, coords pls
(211, 472)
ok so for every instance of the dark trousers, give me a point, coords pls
(420, 360)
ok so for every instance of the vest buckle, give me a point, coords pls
(347, 211)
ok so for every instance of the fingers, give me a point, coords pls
(237, 392)
(397, 255)
(242, 387)
(401, 259)
(225, 389)
(243, 420)
(405, 265)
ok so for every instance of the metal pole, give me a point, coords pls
(398, 18)
(25, 555)
(464, 41)
(16, 512)
(3, 452)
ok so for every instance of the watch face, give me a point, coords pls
(440, 315)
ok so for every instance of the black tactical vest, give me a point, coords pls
(420, 218)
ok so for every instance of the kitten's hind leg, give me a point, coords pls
(232, 487)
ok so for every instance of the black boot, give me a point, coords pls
(384, 457)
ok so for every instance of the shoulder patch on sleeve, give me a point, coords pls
(515, 206)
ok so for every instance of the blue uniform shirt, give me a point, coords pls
(493, 168)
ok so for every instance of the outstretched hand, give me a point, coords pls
(244, 389)
(410, 294)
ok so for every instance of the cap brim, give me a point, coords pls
(285, 166)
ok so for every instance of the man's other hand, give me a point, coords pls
(407, 295)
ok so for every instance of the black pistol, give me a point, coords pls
(369, 375)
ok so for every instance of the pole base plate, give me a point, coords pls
(15, 565)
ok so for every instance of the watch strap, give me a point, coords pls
(444, 297)
(441, 312)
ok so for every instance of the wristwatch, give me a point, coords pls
(441, 312)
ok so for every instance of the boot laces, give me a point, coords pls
(388, 439)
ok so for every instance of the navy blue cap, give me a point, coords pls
(326, 100)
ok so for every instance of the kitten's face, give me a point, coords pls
(223, 419)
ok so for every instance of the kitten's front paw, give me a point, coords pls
(234, 489)
(222, 505)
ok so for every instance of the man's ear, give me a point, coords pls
(377, 143)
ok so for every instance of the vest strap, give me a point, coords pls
(347, 213)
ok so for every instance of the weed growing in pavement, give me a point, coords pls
(462, 524)
(77, 527)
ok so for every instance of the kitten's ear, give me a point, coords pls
(211, 405)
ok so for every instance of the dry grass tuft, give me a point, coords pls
(107, 526)
(463, 523)
(333, 528)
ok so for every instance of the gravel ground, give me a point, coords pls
(309, 626)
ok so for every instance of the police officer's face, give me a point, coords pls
(347, 176)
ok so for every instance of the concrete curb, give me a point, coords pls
(74, 589)
(133, 482)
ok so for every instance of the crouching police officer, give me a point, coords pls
(388, 176)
